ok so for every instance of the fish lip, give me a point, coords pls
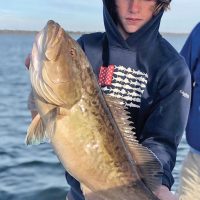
(51, 22)
(56, 31)
(52, 36)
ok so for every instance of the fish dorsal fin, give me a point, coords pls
(148, 166)
(41, 130)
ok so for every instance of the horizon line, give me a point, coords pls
(76, 32)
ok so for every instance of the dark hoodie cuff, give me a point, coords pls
(167, 179)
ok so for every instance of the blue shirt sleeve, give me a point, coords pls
(191, 48)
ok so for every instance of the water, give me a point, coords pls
(32, 173)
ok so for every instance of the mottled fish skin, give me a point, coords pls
(84, 131)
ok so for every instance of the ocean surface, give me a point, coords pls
(34, 172)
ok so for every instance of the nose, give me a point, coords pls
(134, 6)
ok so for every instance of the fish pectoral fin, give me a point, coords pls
(41, 130)
(36, 131)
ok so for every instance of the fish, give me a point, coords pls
(89, 131)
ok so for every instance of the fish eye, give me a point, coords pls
(73, 52)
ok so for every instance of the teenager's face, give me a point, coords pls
(133, 14)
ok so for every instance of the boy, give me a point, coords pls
(154, 81)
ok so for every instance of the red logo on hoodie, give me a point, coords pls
(105, 75)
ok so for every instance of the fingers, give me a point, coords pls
(27, 61)
(163, 193)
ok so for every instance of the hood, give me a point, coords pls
(139, 39)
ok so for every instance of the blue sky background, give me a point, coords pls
(86, 15)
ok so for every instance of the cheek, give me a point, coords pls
(119, 12)
(150, 11)
(121, 7)
(152, 7)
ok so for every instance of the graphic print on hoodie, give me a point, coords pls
(123, 83)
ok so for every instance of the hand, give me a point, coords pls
(163, 193)
(27, 61)
(70, 196)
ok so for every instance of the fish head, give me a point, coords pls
(56, 61)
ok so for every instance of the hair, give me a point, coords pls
(161, 5)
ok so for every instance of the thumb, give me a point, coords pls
(27, 61)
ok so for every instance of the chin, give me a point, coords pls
(133, 29)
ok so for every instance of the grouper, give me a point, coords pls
(89, 131)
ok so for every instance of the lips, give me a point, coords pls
(132, 21)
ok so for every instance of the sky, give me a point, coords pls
(86, 15)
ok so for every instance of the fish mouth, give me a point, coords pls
(53, 34)
(48, 38)
(54, 30)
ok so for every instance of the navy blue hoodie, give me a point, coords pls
(191, 52)
(151, 78)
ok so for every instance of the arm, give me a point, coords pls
(163, 193)
(167, 119)
(191, 48)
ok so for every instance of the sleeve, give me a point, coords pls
(167, 119)
(191, 48)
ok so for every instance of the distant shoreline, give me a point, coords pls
(34, 32)
(17, 32)
(70, 32)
